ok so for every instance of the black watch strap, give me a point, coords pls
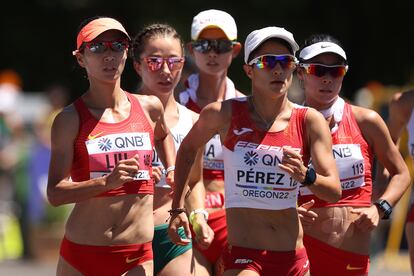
(385, 207)
(310, 177)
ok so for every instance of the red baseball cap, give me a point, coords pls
(96, 27)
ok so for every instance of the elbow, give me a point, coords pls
(53, 199)
(335, 194)
(405, 181)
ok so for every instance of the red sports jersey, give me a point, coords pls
(354, 159)
(100, 145)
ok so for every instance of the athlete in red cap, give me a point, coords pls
(101, 161)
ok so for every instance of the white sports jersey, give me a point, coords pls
(213, 156)
(179, 131)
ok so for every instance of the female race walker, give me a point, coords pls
(103, 142)
(213, 47)
(158, 55)
(338, 241)
(400, 116)
(266, 141)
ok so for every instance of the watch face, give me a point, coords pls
(385, 207)
(312, 175)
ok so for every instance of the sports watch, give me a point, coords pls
(310, 177)
(385, 207)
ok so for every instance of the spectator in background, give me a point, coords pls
(57, 96)
(13, 239)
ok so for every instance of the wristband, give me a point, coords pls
(198, 211)
(169, 169)
(176, 211)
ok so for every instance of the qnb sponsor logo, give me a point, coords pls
(129, 142)
(243, 261)
(251, 158)
(342, 152)
(119, 142)
(104, 144)
(249, 145)
(346, 151)
(178, 138)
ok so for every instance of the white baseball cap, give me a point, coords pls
(257, 37)
(319, 48)
(214, 19)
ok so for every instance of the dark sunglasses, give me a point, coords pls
(269, 61)
(321, 70)
(101, 46)
(218, 45)
(155, 63)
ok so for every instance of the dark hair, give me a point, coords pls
(274, 39)
(151, 31)
(316, 38)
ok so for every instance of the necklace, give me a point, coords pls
(265, 122)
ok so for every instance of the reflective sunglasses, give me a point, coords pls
(155, 63)
(269, 61)
(219, 46)
(100, 47)
(321, 70)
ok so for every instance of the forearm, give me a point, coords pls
(327, 188)
(195, 197)
(396, 188)
(185, 159)
(72, 192)
(166, 151)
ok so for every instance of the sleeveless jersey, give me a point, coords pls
(251, 158)
(213, 168)
(100, 145)
(179, 131)
(353, 158)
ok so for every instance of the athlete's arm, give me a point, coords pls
(195, 199)
(327, 185)
(399, 113)
(163, 140)
(378, 137)
(214, 118)
(60, 190)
